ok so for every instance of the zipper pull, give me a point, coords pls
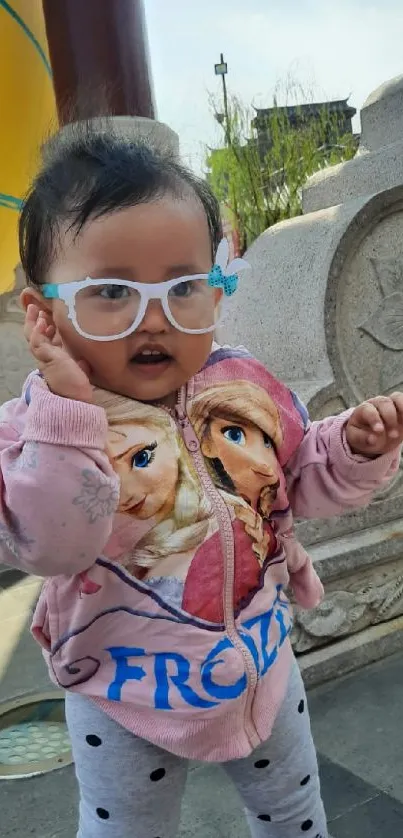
(188, 434)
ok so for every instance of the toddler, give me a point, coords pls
(152, 477)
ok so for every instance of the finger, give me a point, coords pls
(38, 335)
(31, 317)
(363, 440)
(41, 323)
(53, 335)
(388, 414)
(397, 399)
(42, 349)
(32, 313)
(56, 340)
(367, 416)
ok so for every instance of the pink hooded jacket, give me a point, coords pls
(167, 544)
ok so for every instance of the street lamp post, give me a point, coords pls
(221, 69)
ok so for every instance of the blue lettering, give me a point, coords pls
(220, 691)
(162, 679)
(283, 629)
(124, 672)
(263, 654)
(264, 620)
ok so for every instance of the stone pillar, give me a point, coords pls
(324, 310)
(155, 134)
(104, 68)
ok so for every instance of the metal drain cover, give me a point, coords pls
(33, 736)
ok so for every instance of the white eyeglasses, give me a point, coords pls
(111, 309)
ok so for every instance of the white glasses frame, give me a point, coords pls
(68, 291)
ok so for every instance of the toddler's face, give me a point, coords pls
(150, 243)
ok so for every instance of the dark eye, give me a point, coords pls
(114, 292)
(183, 289)
(267, 441)
(234, 434)
(143, 458)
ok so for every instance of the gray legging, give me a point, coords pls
(132, 789)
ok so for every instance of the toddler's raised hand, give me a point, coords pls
(63, 375)
(376, 426)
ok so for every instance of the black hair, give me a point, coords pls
(88, 173)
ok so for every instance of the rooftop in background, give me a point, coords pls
(297, 115)
(339, 114)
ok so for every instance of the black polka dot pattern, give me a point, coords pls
(306, 826)
(103, 814)
(305, 781)
(264, 818)
(262, 763)
(94, 741)
(301, 706)
(157, 775)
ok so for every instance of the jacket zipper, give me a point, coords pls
(227, 541)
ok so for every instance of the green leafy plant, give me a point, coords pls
(259, 173)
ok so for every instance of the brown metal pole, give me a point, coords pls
(99, 56)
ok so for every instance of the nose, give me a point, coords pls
(263, 470)
(129, 492)
(154, 320)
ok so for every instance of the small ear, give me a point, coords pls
(32, 296)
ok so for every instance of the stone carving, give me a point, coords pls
(347, 612)
(386, 324)
(364, 302)
(323, 309)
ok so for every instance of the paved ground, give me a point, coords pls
(357, 725)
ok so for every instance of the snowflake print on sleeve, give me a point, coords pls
(98, 497)
(27, 459)
(11, 542)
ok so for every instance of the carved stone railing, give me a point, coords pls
(324, 311)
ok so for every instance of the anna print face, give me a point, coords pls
(147, 463)
(248, 457)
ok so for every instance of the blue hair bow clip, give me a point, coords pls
(224, 275)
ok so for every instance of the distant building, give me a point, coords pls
(335, 120)
(340, 115)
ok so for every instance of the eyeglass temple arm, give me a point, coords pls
(50, 292)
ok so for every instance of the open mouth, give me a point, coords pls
(150, 357)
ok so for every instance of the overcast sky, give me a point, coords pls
(335, 48)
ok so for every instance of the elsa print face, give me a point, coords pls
(146, 460)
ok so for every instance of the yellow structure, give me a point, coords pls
(28, 114)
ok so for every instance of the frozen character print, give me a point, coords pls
(160, 492)
(239, 429)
